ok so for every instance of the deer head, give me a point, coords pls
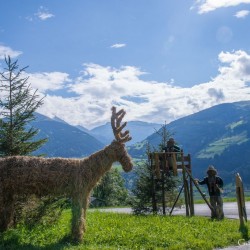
(121, 138)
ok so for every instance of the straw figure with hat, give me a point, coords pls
(171, 146)
(215, 188)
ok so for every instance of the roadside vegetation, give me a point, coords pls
(123, 231)
(229, 199)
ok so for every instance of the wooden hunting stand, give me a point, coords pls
(170, 162)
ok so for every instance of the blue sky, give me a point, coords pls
(160, 60)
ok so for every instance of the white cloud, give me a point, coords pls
(118, 45)
(98, 88)
(238, 65)
(205, 6)
(7, 51)
(52, 81)
(43, 14)
(49, 81)
(242, 13)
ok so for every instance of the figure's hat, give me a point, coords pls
(211, 169)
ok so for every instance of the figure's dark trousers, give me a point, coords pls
(217, 204)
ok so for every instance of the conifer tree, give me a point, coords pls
(111, 189)
(18, 102)
(164, 135)
(141, 201)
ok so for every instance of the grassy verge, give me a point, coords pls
(225, 199)
(123, 231)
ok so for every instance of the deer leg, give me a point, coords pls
(78, 218)
(6, 211)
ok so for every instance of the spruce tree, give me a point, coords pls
(143, 191)
(18, 102)
(111, 190)
(164, 135)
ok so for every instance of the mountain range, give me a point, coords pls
(139, 131)
(65, 140)
(219, 136)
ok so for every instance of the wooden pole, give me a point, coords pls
(185, 185)
(191, 197)
(175, 172)
(191, 188)
(240, 200)
(154, 204)
(198, 188)
(178, 196)
(157, 165)
(163, 193)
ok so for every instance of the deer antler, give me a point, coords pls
(116, 119)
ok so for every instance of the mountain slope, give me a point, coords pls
(64, 140)
(138, 130)
(219, 135)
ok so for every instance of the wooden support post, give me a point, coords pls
(240, 200)
(157, 165)
(154, 204)
(191, 188)
(185, 185)
(188, 195)
(173, 156)
(191, 197)
(166, 165)
(178, 196)
(163, 193)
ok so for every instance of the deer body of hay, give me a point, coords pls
(74, 178)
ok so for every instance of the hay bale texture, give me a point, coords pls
(74, 178)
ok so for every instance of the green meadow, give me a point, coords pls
(124, 231)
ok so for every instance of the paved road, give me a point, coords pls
(230, 210)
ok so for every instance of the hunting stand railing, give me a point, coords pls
(163, 163)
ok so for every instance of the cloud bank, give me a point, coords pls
(87, 99)
(98, 88)
(205, 6)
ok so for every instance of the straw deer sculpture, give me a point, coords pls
(74, 178)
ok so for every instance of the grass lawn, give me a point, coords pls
(124, 231)
(225, 199)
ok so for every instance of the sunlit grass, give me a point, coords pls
(124, 231)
